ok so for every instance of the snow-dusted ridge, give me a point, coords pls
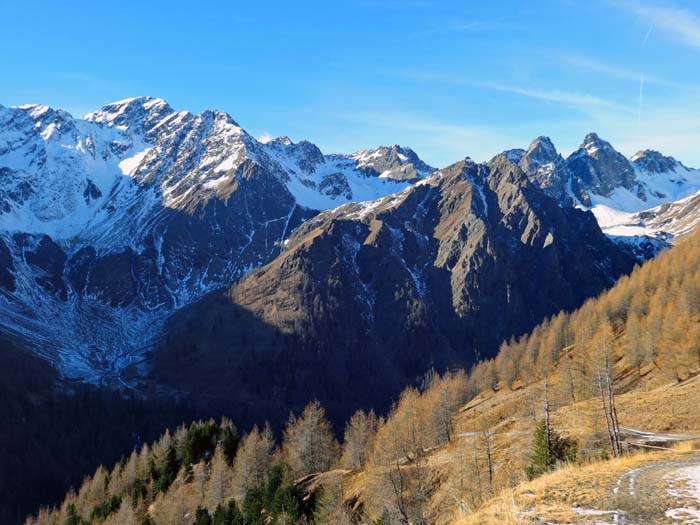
(140, 149)
(111, 221)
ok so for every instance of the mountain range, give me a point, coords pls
(140, 245)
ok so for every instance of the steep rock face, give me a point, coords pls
(117, 219)
(547, 169)
(598, 168)
(367, 296)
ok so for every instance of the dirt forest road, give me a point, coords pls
(661, 493)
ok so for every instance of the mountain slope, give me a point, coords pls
(460, 444)
(117, 219)
(436, 275)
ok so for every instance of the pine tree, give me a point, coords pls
(219, 483)
(229, 439)
(549, 450)
(167, 469)
(219, 516)
(252, 461)
(253, 506)
(233, 514)
(202, 517)
(125, 514)
(72, 517)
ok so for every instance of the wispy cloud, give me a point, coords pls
(641, 101)
(465, 25)
(613, 71)
(570, 98)
(557, 96)
(678, 23)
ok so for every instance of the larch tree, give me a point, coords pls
(359, 436)
(219, 484)
(309, 442)
(252, 461)
(126, 514)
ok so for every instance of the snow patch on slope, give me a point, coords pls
(659, 188)
(684, 487)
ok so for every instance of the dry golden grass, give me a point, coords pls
(553, 496)
(687, 446)
(649, 404)
(511, 416)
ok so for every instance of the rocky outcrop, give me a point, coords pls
(7, 279)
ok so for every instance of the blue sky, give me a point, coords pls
(449, 79)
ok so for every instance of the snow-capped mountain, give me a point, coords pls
(657, 180)
(598, 175)
(642, 202)
(661, 202)
(110, 222)
(597, 170)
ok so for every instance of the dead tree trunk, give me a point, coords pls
(572, 386)
(489, 458)
(609, 379)
(547, 426)
(477, 470)
(608, 424)
(420, 487)
(397, 483)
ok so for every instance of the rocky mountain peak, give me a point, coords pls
(303, 154)
(597, 147)
(515, 154)
(598, 168)
(137, 114)
(592, 141)
(542, 146)
(547, 169)
(51, 123)
(652, 161)
(284, 140)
